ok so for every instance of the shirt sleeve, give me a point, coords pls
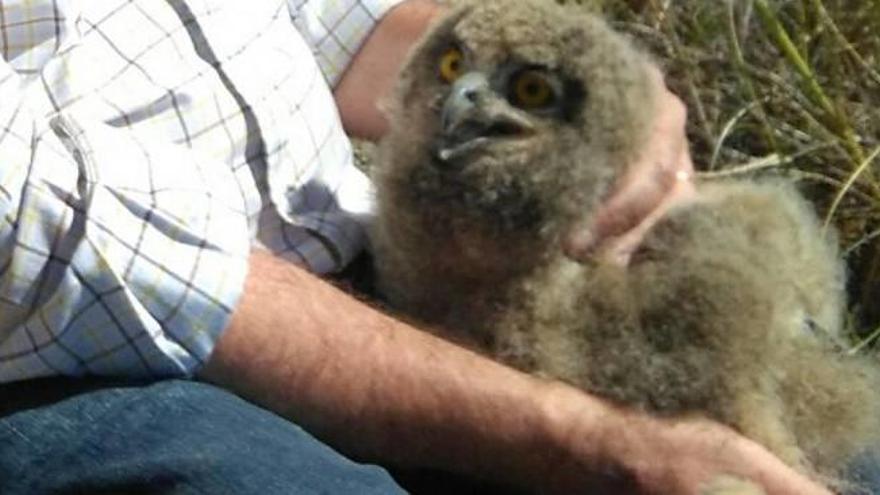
(336, 29)
(117, 257)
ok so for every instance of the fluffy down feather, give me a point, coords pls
(730, 309)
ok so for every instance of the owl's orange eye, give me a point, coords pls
(531, 90)
(451, 65)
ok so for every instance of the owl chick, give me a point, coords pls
(511, 120)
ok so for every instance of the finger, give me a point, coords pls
(775, 476)
(619, 249)
(628, 215)
(618, 230)
(779, 479)
(648, 181)
(628, 208)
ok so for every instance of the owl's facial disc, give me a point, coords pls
(474, 116)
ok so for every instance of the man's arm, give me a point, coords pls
(372, 74)
(376, 387)
(381, 390)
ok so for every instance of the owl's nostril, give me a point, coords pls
(472, 95)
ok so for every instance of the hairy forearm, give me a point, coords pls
(379, 389)
(373, 72)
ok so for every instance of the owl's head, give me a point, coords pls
(515, 115)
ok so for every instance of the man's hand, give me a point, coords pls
(639, 454)
(658, 180)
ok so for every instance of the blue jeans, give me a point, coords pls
(865, 473)
(173, 437)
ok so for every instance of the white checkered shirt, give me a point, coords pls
(144, 146)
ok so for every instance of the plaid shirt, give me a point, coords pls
(145, 145)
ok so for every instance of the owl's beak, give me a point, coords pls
(474, 113)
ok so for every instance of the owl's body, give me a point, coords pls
(730, 308)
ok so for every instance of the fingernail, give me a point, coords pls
(579, 243)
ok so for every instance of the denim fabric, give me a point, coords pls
(173, 437)
(865, 474)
